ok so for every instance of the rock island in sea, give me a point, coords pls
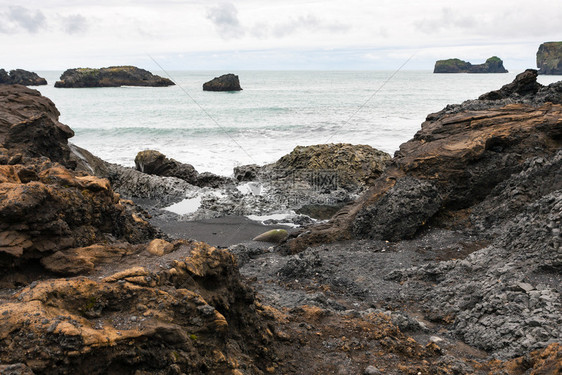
(448, 262)
(493, 65)
(113, 76)
(549, 58)
(21, 77)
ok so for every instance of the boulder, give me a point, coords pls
(226, 82)
(549, 58)
(492, 65)
(329, 166)
(244, 173)
(114, 76)
(155, 163)
(21, 77)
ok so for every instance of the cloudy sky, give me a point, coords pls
(273, 34)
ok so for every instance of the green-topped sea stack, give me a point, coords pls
(114, 76)
(549, 58)
(493, 65)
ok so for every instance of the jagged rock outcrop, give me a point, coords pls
(113, 76)
(549, 58)
(21, 77)
(492, 65)
(182, 314)
(226, 82)
(155, 163)
(464, 151)
(45, 206)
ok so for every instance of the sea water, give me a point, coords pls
(276, 111)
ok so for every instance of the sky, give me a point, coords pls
(273, 34)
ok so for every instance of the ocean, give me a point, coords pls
(276, 111)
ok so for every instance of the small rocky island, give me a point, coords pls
(21, 77)
(549, 58)
(493, 65)
(226, 82)
(113, 76)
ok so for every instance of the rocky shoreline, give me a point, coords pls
(444, 259)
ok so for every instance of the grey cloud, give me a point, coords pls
(446, 20)
(225, 19)
(75, 24)
(307, 22)
(19, 17)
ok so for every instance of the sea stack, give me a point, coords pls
(549, 58)
(114, 76)
(21, 77)
(226, 82)
(493, 65)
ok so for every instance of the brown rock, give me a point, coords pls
(159, 247)
(189, 318)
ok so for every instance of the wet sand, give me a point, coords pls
(219, 232)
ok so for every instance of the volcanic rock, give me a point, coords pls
(29, 125)
(155, 163)
(524, 84)
(181, 319)
(328, 166)
(21, 77)
(493, 65)
(549, 58)
(114, 76)
(226, 82)
(463, 152)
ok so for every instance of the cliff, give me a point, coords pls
(114, 76)
(549, 58)
(493, 65)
